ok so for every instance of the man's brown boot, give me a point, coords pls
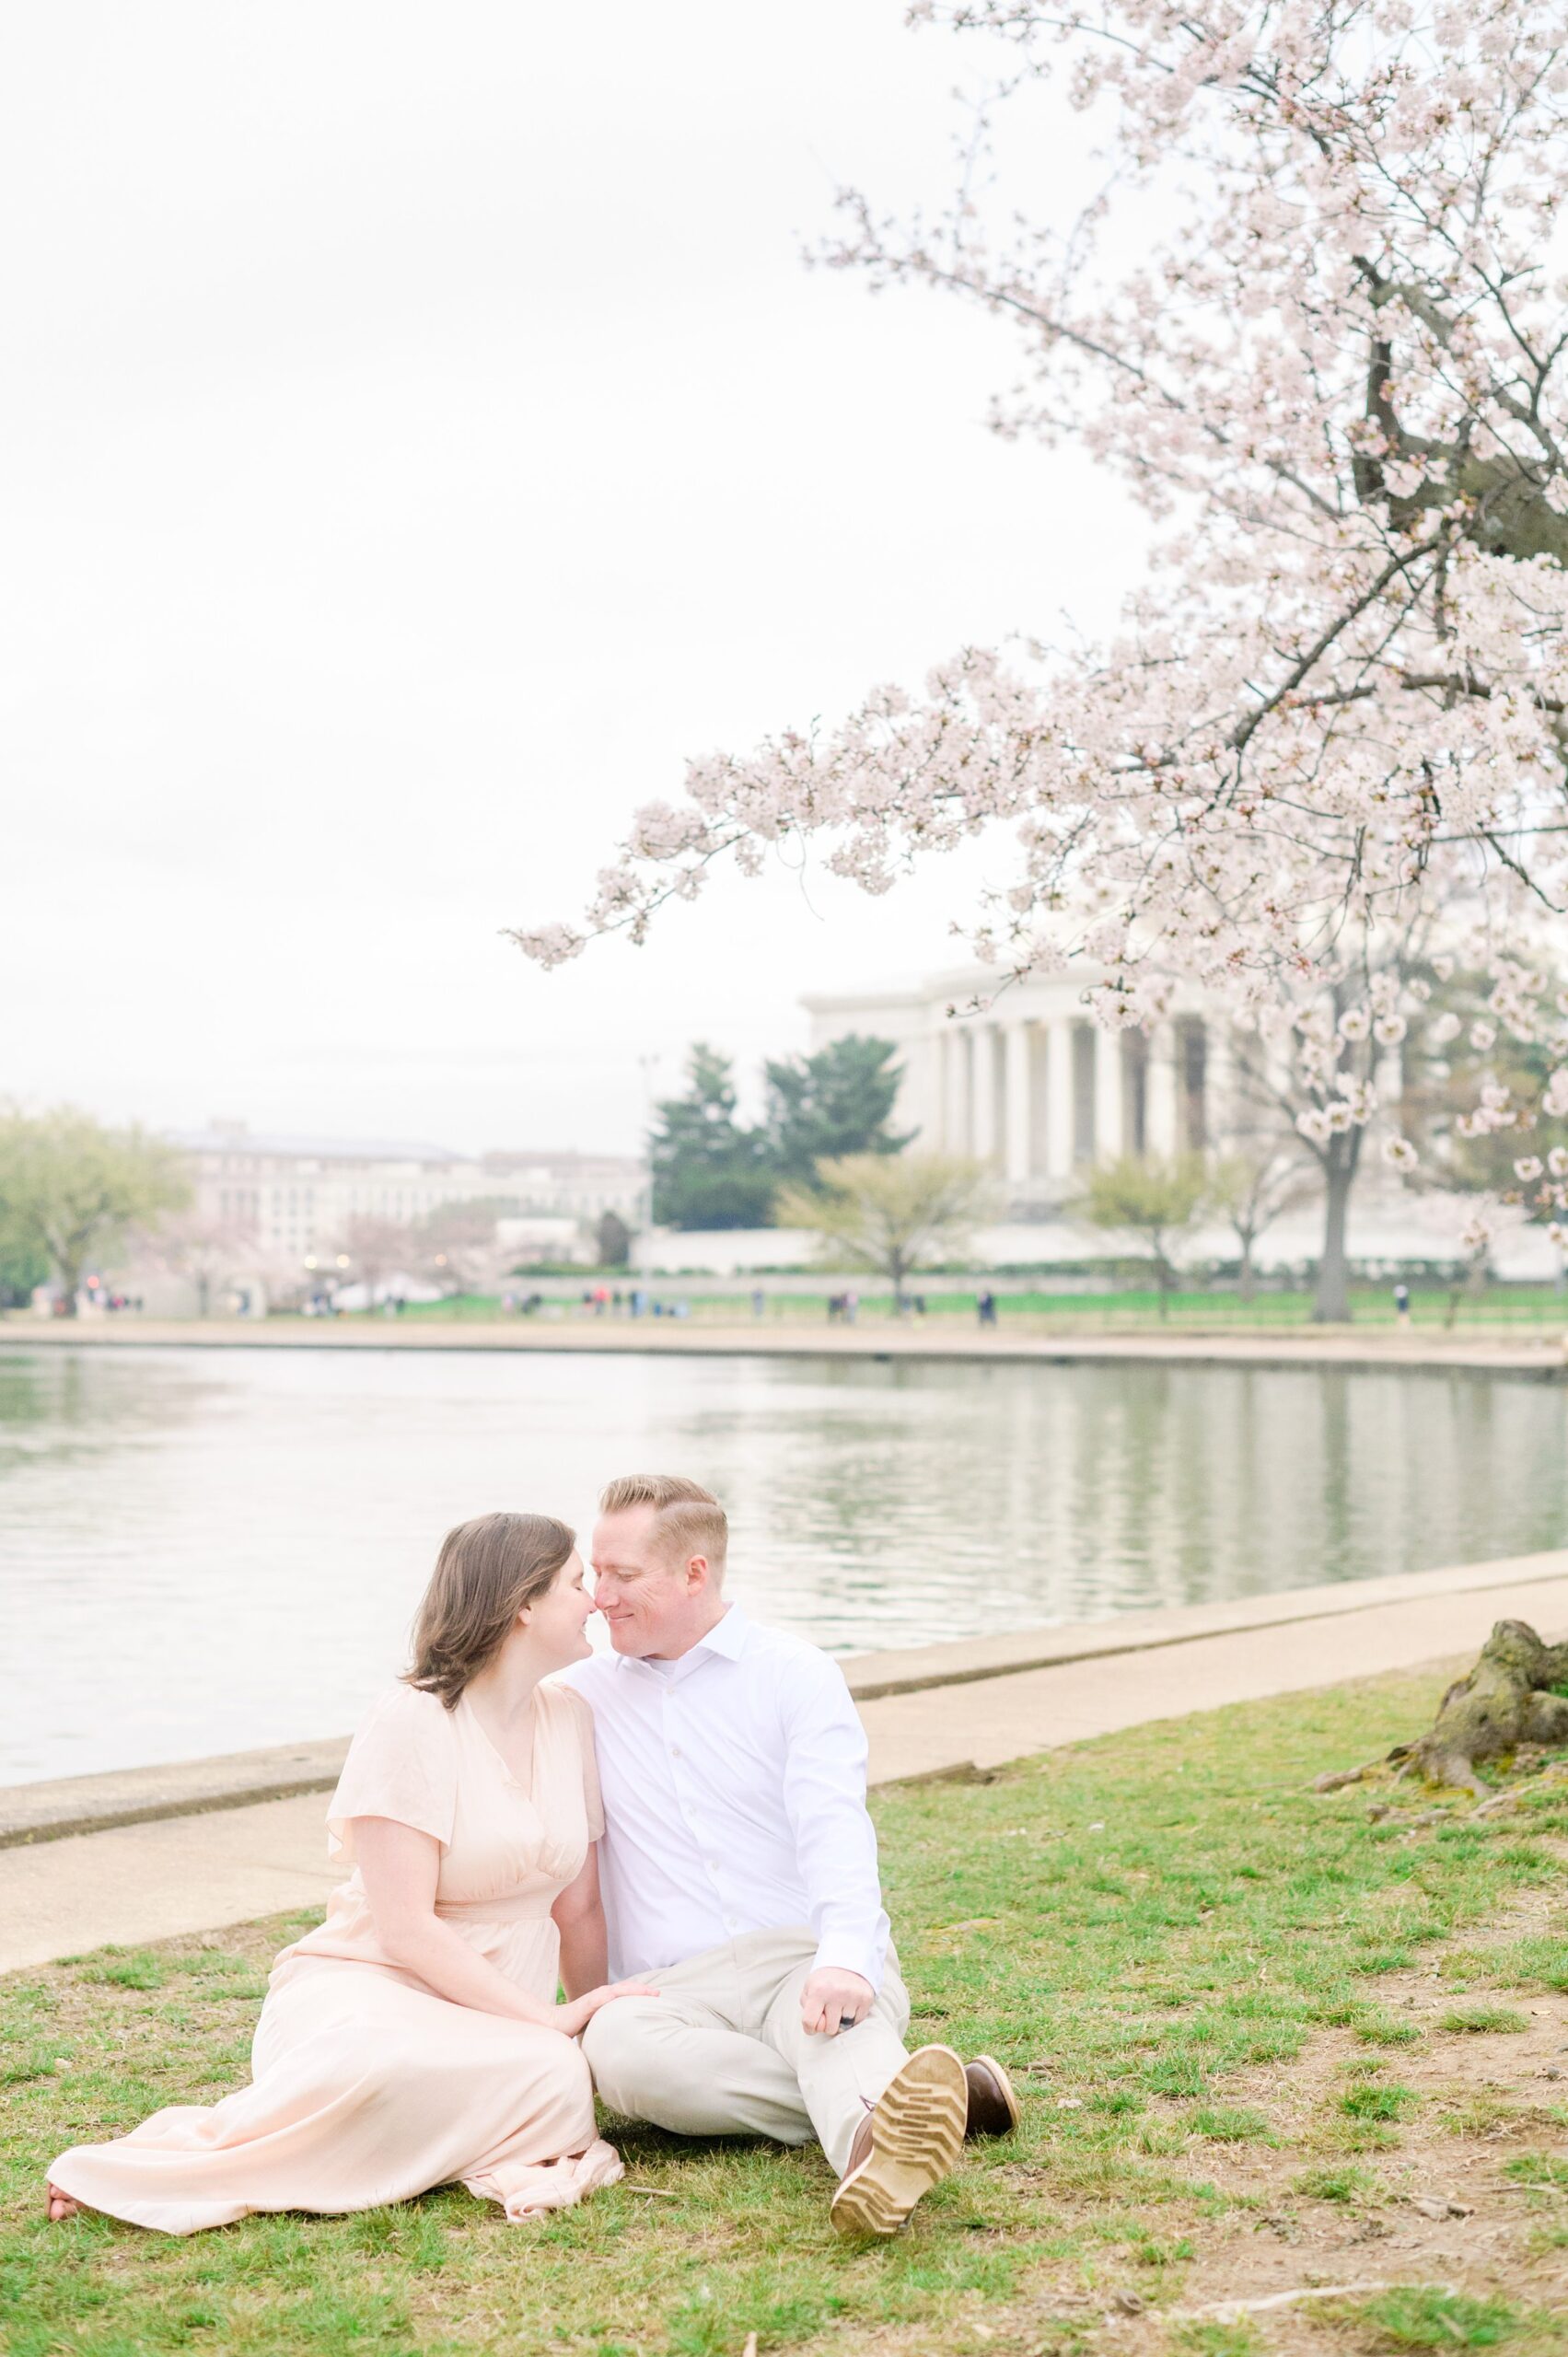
(906, 2143)
(993, 2107)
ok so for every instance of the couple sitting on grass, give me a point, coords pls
(727, 1880)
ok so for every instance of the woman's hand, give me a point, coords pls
(574, 2018)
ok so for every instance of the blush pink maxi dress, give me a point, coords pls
(367, 2086)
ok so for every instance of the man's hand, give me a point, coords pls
(832, 2001)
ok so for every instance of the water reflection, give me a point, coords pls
(200, 1551)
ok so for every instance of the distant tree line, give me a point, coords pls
(711, 1170)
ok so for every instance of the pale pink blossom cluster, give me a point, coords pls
(1480, 1229)
(1337, 384)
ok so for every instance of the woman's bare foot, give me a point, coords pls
(61, 2205)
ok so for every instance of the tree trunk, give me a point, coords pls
(1331, 1305)
(203, 1294)
(1247, 1281)
(70, 1281)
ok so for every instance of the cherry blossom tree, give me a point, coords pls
(1316, 1075)
(208, 1250)
(456, 1246)
(1333, 378)
(377, 1248)
(1250, 1189)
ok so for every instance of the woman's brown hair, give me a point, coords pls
(487, 1571)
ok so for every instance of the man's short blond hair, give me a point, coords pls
(688, 1520)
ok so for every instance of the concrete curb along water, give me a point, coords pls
(73, 1805)
(1540, 1357)
(51, 1812)
(873, 1677)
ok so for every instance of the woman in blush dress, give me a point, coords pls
(414, 2038)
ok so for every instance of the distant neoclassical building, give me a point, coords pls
(1033, 1085)
(296, 1195)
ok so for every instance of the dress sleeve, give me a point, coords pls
(401, 1764)
(583, 1720)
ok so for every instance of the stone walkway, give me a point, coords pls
(1539, 1351)
(933, 1712)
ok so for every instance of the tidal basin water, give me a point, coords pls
(203, 1550)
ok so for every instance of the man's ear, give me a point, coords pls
(697, 1571)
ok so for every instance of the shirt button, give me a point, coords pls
(675, 1751)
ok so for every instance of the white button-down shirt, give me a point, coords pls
(734, 1783)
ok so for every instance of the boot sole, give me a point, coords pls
(917, 2133)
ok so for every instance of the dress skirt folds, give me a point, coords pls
(367, 2086)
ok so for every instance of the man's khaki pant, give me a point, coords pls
(721, 2050)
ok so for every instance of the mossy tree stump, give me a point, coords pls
(1505, 1700)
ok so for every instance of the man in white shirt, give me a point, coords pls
(739, 1869)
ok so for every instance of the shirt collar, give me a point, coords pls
(727, 1638)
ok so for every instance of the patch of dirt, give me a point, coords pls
(84, 2002)
(1436, 2207)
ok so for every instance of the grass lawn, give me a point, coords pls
(1030, 1305)
(1264, 2046)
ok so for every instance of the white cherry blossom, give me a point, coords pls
(1334, 380)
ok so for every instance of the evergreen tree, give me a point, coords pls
(834, 1103)
(708, 1170)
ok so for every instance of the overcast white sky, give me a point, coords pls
(419, 435)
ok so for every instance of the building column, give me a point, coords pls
(1020, 1122)
(1039, 1040)
(982, 1049)
(919, 1098)
(956, 1093)
(1059, 1107)
(1219, 1086)
(1108, 1145)
(1161, 1099)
